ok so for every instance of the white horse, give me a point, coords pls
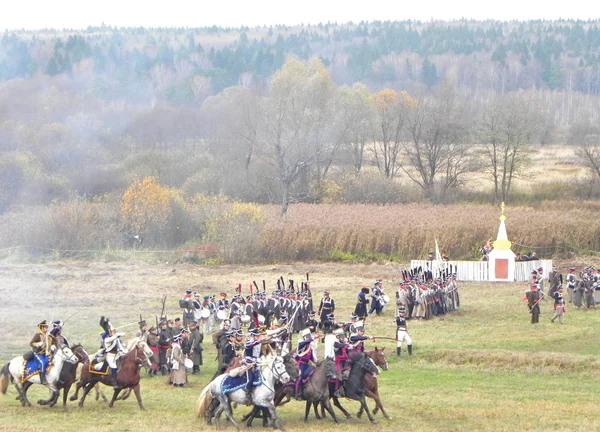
(14, 370)
(271, 370)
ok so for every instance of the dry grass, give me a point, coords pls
(483, 368)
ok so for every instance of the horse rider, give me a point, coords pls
(402, 332)
(341, 347)
(357, 340)
(43, 346)
(56, 332)
(326, 307)
(114, 349)
(306, 359)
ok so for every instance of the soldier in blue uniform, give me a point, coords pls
(559, 305)
(357, 340)
(376, 304)
(326, 307)
(306, 359)
(361, 304)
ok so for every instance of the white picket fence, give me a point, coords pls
(479, 270)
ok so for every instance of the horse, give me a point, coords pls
(68, 375)
(13, 371)
(361, 364)
(128, 377)
(371, 387)
(272, 369)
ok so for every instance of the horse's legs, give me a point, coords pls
(248, 418)
(53, 398)
(316, 409)
(86, 390)
(228, 413)
(77, 387)
(114, 397)
(336, 402)
(66, 389)
(307, 411)
(125, 394)
(364, 405)
(276, 423)
(330, 410)
(22, 394)
(25, 388)
(138, 396)
(378, 404)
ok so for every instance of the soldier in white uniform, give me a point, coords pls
(113, 347)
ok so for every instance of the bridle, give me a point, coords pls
(278, 375)
(68, 357)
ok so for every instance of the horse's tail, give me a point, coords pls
(4, 378)
(204, 401)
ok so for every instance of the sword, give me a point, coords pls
(71, 316)
(126, 325)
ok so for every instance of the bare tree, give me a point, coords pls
(391, 111)
(505, 130)
(296, 114)
(586, 135)
(435, 152)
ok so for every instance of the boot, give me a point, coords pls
(43, 380)
(298, 390)
(196, 370)
(113, 377)
(398, 350)
(409, 349)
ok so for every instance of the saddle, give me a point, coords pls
(99, 367)
(233, 383)
(32, 367)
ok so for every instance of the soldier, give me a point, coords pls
(223, 302)
(164, 342)
(358, 339)
(187, 304)
(56, 332)
(540, 280)
(555, 279)
(253, 347)
(533, 297)
(196, 339)
(43, 346)
(361, 304)
(178, 375)
(341, 347)
(227, 352)
(144, 330)
(113, 346)
(402, 332)
(153, 344)
(559, 305)
(306, 360)
(376, 304)
(220, 339)
(350, 327)
(326, 307)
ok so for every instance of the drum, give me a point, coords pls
(205, 313)
(189, 364)
(222, 314)
(386, 298)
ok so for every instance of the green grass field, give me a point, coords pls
(484, 368)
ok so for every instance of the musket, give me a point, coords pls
(537, 301)
(70, 316)
(126, 325)
(383, 337)
(164, 299)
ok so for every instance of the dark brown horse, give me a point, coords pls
(68, 376)
(128, 377)
(371, 387)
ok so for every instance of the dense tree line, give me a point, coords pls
(138, 64)
(85, 114)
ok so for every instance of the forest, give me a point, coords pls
(182, 136)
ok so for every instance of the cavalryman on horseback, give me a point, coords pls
(341, 347)
(43, 345)
(113, 348)
(306, 359)
(357, 340)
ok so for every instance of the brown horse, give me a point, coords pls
(371, 387)
(128, 377)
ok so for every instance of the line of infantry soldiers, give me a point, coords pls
(423, 296)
